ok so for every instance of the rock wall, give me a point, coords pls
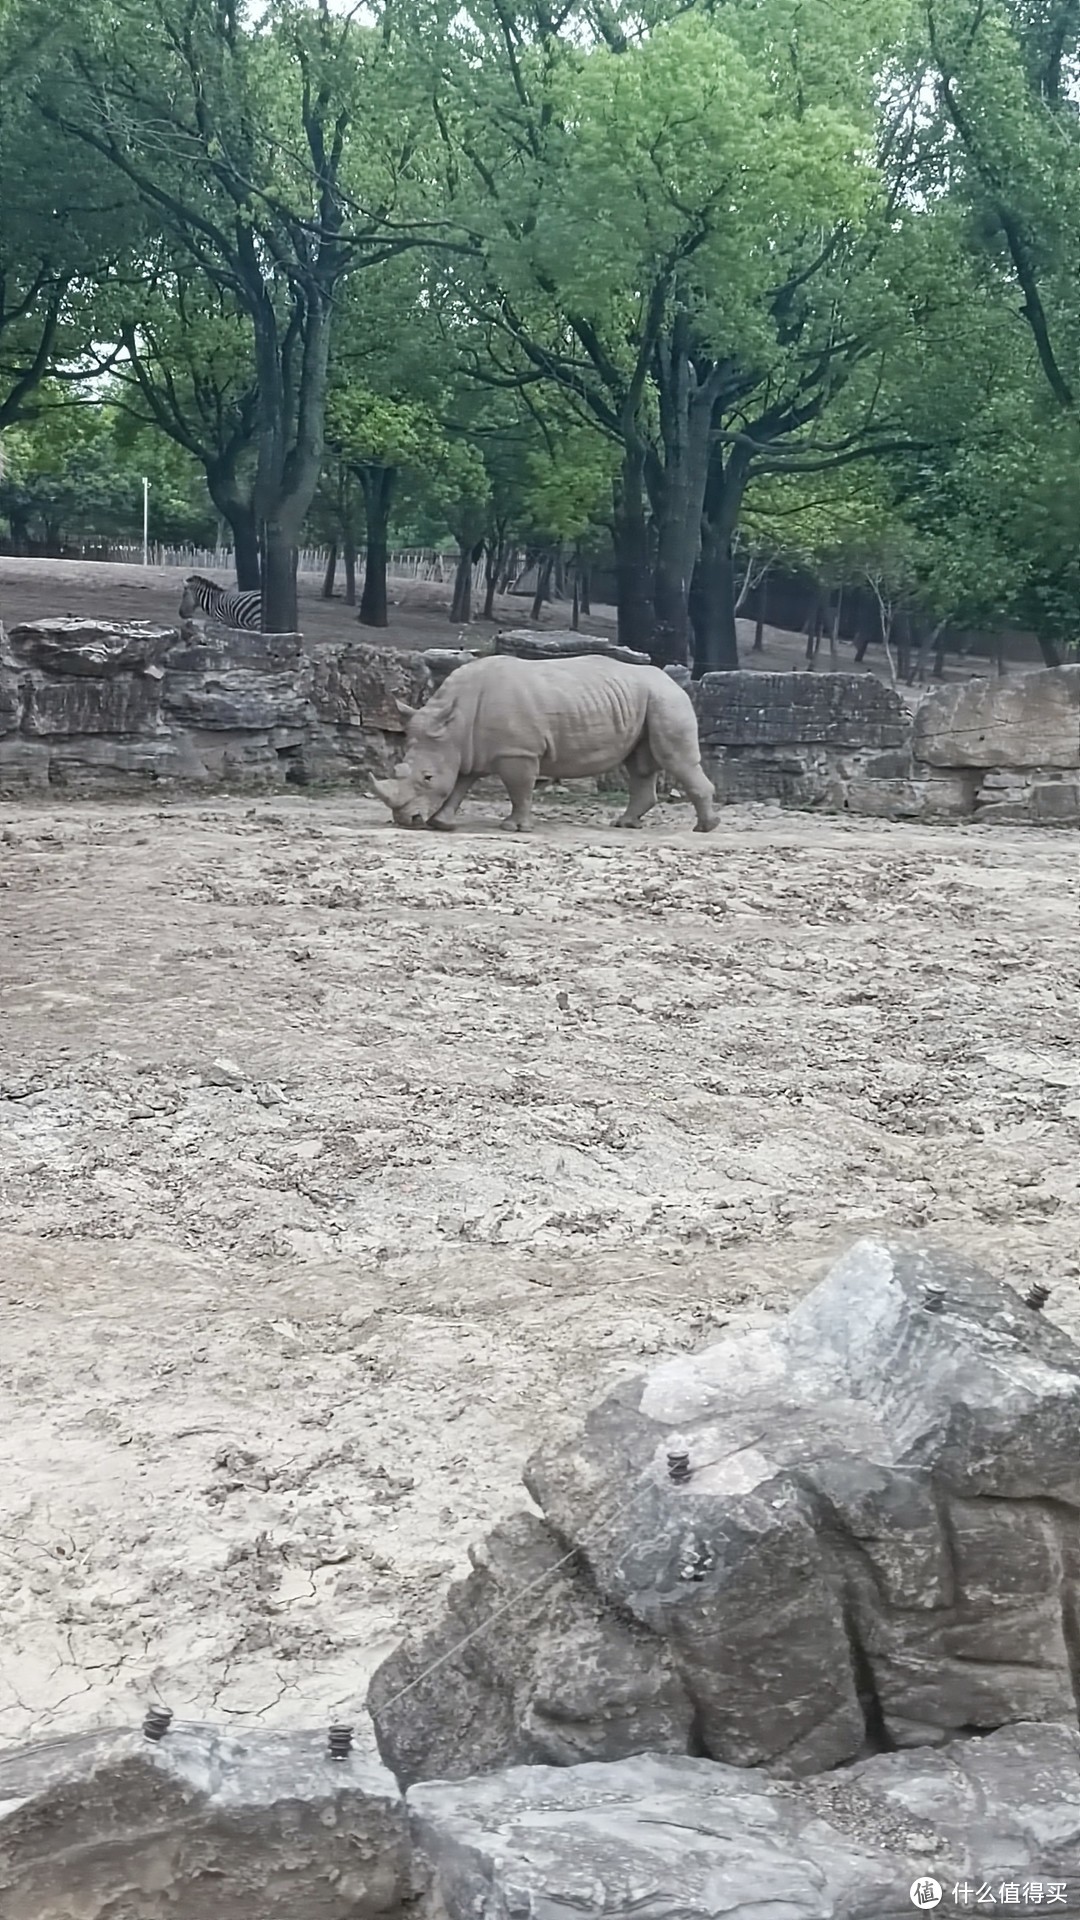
(208, 1826)
(986, 750)
(86, 706)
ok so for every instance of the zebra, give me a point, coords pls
(229, 609)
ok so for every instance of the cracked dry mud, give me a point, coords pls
(339, 1167)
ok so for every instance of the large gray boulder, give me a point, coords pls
(202, 1826)
(530, 643)
(64, 679)
(872, 1540)
(361, 685)
(1031, 720)
(688, 1840)
(568, 1680)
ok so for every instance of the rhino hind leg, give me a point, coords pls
(519, 777)
(641, 773)
(673, 743)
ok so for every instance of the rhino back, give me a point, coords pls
(577, 717)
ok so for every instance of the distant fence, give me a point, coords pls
(412, 563)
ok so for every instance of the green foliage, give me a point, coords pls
(850, 227)
(75, 473)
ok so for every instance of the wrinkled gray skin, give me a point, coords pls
(522, 720)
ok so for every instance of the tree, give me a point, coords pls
(254, 146)
(708, 323)
(376, 437)
(188, 371)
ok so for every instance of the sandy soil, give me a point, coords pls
(339, 1167)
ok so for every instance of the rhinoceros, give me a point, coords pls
(560, 719)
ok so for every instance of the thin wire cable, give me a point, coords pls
(522, 1593)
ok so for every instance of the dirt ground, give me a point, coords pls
(339, 1167)
(419, 614)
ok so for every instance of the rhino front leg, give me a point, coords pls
(443, 820)
(519, 777)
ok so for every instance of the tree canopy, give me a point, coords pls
(688, 287)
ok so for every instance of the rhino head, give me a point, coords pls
(425, 778)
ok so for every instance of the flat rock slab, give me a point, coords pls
(239, 700)
(857, 1529)
(1030, 721)
(204, 646)
(96, 648)
(201, 1826)
(798, 709)
(688, 1840)
(530, 645)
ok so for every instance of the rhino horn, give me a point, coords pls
(388, 791)
(405, 712)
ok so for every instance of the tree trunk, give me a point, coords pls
(1051, 652)
(834, 624)
(575, 610)
(583, 591)
(671, 605)
(493, 560)
(543, 585)
(280, 556)
(331, 572)
(633, 576)
(762, 615)
(378, 488)
(929, 638)
(461, 603)
(815, 627)
(902, 629)
(245, 535)
(292, 368)
(491, 581)
(349, 557)
(712, 590)
(676, 482)
(939, 654)
(239, 516)
(712, 606)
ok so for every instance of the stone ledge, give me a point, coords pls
(203, 1825)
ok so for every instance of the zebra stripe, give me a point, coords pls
(228, 608)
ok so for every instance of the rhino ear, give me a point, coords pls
(405, 712)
